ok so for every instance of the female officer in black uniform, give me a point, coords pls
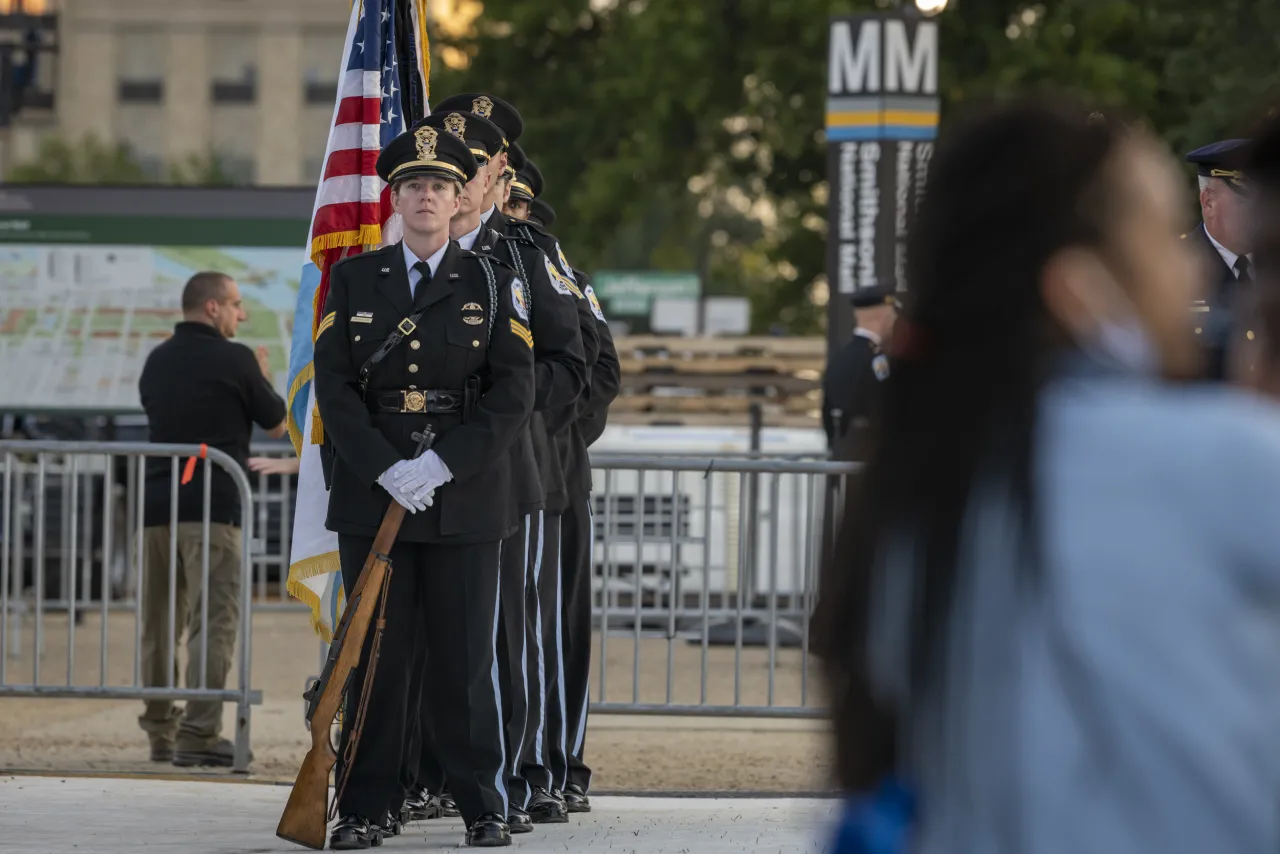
(424, 333)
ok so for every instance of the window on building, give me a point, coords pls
(321, 55)
(233, 59)
(140, 66)
(141, 128)
(234, 140)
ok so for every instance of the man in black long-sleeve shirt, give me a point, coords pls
(198, 387)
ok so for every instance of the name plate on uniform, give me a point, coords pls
(363, 317)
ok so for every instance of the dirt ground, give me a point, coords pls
(629, 753)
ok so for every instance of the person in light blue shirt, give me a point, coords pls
(1054, 612)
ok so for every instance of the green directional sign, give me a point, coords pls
(630, 293)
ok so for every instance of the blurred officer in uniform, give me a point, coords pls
(418, 334)
(560, 378)
(853, 376)
(1225, 244)
(542, 213)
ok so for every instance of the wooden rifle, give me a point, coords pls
(306, 815)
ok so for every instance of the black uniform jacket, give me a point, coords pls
(470, 329)
(1217, 318)
(849, 391)
(560, 366)
(606, 377)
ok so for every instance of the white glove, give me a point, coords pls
(420, 477)
(387, 480)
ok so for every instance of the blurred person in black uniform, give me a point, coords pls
(855, 373)
(560, 378)
(424, 333)
(198, 387)
(1224, 240)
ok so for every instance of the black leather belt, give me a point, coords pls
(429, 401)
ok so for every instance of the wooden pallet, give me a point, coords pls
(718, 380)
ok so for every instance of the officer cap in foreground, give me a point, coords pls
(426, 151)
(482, 136)
(542, 213)
(1223, 160)
(528, 182)
(490, 107)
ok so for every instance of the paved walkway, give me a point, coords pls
(53, 815)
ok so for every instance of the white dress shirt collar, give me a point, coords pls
(411, 260)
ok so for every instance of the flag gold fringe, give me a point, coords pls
(295, 388)
(367, 235)
(317, 428)
(310, 568)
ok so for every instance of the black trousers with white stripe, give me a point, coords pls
(545, 761)
(576, 541)
(441, 637)
(513, 648)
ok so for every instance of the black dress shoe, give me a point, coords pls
(448, 807)
(354, 833)
(420, 806)
(575, 799)
(390, 825)
(489, 831)
(518, 820)
(545, 808)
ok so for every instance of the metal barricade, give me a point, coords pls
(692, 556)
(273, 501)
(67, 483)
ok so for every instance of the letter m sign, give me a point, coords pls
(882, 55)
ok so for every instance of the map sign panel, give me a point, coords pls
(78, 320)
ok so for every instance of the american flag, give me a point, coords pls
(352, 212)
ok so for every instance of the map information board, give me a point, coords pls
(78, 318)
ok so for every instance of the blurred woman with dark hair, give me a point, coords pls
(1055, 603)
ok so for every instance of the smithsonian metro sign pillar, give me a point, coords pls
(882, 118)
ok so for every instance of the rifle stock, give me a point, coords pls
(305, 818)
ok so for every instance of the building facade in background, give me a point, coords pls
(251, 83)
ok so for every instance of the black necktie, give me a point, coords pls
(425, 269)
(1242, 270)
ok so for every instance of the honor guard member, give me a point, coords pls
(855, 373)
(510, 123)
(546, 764)
(505, 117)
(521, 247)
(542, 213)
(1224, 245)
(547, 769)
(576, 540)
(560, 379)
(525, 187)
(398, 350)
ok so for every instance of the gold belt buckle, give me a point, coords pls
(406, 326)
(414, 401)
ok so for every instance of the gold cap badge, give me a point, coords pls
(482, 107)
(455, 124)
(426, 137)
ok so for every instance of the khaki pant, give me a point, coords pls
(199, 726)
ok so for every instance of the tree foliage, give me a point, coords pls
(688, 135)
(87, 161)
(90, 160)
